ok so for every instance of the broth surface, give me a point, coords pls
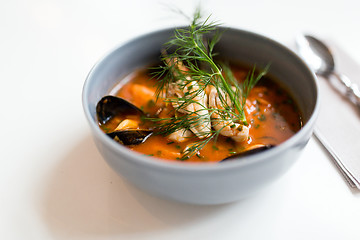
(272, 115)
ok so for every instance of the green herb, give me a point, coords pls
(257, 105)
(182, 158)
(262, 117)
(250, 81)
(215, 147)
(106, 129)
(151, 103)
(192, 48)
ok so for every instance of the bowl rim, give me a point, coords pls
(154, 162)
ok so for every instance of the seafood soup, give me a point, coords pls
(271, 117)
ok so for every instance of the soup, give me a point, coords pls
(196, 108)
(271, 116)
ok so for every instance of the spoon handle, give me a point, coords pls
(352, 89)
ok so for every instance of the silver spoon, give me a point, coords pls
(320, 59)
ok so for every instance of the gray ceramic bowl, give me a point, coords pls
(204, 183)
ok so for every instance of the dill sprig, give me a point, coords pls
(191, 48)
(188, 59)
(250, 81)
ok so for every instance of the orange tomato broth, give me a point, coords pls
(272, 115)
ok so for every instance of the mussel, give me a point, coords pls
(255, 149)
(130, 136)
(109, 107)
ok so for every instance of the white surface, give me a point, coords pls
(55, 185)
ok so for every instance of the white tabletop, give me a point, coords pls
(55, 185)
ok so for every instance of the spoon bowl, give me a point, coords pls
(316, 54)
(320, 59)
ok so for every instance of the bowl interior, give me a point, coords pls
(285, 66)
(236, 45)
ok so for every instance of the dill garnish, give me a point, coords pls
(189, 68)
